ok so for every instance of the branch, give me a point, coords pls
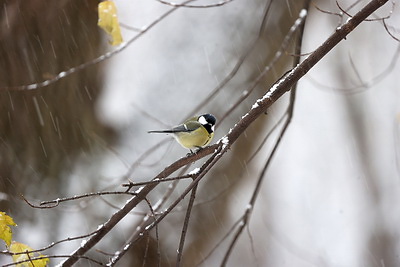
(63, 74)
(274, 93)
(291, 77)
(221, 3)
(204, 169)
(284, 45)
(185, 227)
(246, 216)
(145, 222)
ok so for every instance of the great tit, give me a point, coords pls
(195, 132)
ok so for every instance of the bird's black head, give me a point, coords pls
(208, 121)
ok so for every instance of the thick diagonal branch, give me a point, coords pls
(283, 85)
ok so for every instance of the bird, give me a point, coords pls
(195, 133)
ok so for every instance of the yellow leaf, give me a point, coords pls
(108, 21)
(33, 259)
(5, 230)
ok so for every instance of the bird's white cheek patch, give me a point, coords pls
(202, 120)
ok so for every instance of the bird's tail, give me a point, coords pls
(162, 131)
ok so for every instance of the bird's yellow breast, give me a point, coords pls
(195, 139)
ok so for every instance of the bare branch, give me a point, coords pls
(30, 260)
(221, 3)
(63, 74)
(139, 230)
(157, 181)
(285, 43)
(289, 112)
(230, 230)
(387, 30)
(185, 226)
(345, 12)
(366, 84)
(238, 64)
(57, 201)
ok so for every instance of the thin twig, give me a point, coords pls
(387, 30)
(138, 162)
(157, 181)
(205, 168)
(220, 3)
(185, 226)
(345, 12)
(24, 262)
(227, 234)
(238, 64)
(253, 249)
(68, 239)
(285, 43)
(139, 229)
(95, 61)
(366, 85)
(270, 132)
(250, 205)
(57, 201)
(157, 237)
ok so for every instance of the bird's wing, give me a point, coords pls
(187, 127)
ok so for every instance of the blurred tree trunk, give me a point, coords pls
(42, 131)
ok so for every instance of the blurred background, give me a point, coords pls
(328, 198)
